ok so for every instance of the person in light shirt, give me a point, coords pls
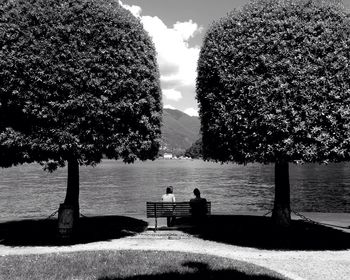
(169, 197)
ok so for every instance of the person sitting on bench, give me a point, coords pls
(198, 207)
(169, 197)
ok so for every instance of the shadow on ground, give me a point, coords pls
(201, 271)
(89, 229)
(259, 232)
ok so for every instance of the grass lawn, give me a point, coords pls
(130, 264)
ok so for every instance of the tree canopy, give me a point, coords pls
(79, 79)
(195, 151)
(274, 83)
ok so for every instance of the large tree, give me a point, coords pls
(274, 87)
(79, 81)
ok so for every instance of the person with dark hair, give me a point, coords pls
(198, 207)
(169, 197)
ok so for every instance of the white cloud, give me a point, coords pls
(187, 29)
(174, 52)
(191, 112)
(177, 60)
(135, 10)
(172, 94)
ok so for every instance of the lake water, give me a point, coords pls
(115, 188)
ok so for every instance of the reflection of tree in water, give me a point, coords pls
(315, 187)
(320, 188)
(259, 187)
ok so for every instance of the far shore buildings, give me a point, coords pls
(172, 156)
(168, 156)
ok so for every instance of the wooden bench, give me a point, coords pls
(170, 209)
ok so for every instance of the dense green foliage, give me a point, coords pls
(79, 79)
(195, 151)
(14, 148)
(274, 83)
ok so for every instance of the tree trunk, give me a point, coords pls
(72, 194)
(281, 211)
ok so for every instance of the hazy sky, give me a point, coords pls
(177, 28)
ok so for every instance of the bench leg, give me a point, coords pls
(155, 224)
(168, 222)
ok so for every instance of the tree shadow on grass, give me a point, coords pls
(89, 229)
(259, 232)
(201, 271)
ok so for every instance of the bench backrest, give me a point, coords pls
(169, 209)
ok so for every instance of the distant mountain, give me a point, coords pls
(179, 130)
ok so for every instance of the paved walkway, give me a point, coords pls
(293, 264)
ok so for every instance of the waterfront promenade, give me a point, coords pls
(294, 264)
